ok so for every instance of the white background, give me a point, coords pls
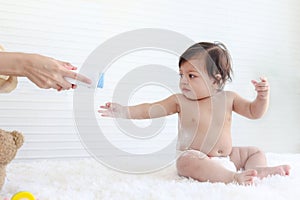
(262, 37)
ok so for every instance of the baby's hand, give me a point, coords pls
(262, 88)
(112, 110)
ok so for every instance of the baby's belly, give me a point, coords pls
(217, 151)
(221, 148)
(220, 151)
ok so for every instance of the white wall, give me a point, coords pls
(262, 37)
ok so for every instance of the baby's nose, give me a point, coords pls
(184, 80)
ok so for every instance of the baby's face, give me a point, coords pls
(194, 80)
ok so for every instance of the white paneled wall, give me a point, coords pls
(262, 37)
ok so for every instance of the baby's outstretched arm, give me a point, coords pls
(256, 108)
(162, 108)
(113, 110)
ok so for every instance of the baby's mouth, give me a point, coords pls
(185, 90)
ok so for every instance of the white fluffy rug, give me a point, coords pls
(86, 179)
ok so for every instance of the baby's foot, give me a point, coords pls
(245, 177)
(282, 170)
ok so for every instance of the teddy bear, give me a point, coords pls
(7, 83)
(10, 142)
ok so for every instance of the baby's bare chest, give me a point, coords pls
(197, 117)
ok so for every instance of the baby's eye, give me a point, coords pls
(181, 75)
(192, 76)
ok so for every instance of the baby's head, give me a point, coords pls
(215, 58)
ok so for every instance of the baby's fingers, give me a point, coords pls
(262, 89)
(104, 113)
(254, 82)
(263, 79)
(262, 86)
(262, 83)
(106, 106)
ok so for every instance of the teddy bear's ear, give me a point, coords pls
(18, 138)
(9, 84)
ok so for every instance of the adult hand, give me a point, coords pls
(48, 72)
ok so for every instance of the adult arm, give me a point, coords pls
(44, 71)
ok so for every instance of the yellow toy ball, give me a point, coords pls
(23, 196)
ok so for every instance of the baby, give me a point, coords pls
(205, 111)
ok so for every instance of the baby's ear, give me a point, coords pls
(218, 76)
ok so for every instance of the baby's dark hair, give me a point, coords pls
(218, 60)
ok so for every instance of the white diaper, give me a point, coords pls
(225, 162)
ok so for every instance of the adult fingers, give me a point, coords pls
(61, 81)
(59, 88)
(67, 65)
(78, 77)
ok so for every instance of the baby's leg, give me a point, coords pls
(253, 158)
(198, 166)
